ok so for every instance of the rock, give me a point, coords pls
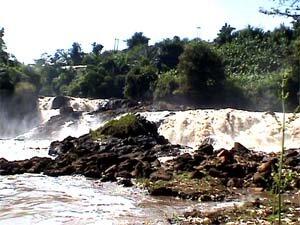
(163, 191)
(125, 182)
(235, 170)
(216, 173)
(267, 167)
(118, 104)
(260, 180)
(197, 174)
(184, 162)
(160, 174)
(60, 101)
(66, 110)
(240, 149)
(235, 182)
(206, 149)
(225, 156)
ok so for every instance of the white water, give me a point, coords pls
(256, 130)
(37, 199)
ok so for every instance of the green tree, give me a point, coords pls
(137, 39)
(97, 48)
(76, 54)
(3, 54)
(202, 70)
(225, 34)
(169, 51)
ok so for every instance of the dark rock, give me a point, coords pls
(206, 149)
(240, 149)
(60, 101)
(163, 191)
(125, 182)
(66, 110)
(216, 173)
(197, 175)
(226, 156)
(235, 182)
(160, 174)
(118, 104)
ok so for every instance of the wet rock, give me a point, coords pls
(66, 110)
(118, 104)
(163, 191)
(125, 182)
(60, 101)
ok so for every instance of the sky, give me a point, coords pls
(33, 27)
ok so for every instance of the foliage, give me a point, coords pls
(166, 85)
(126, 126)
(225, 34)
(139, 86)
(169, 51)
(251, 51)
(202, 69)
(137, 39)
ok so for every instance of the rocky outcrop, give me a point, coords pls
(134, 152)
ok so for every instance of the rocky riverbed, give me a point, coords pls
(130, 152)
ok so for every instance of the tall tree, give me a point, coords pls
(97, 48)
(225, 34)
(76, 53)
(137, 39)
(3, 54)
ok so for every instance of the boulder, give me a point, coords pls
(60, 101)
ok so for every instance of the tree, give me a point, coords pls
(225, 34)
(76, 53)
(202, 69)
(97, 48)
(169, 52)
(137, 39)
(3, 54)
(288, 8)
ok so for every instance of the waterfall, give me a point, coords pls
(255, 130)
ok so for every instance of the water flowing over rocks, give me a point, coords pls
(145, 154)
(207, 174)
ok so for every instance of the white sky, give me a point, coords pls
(33, 27)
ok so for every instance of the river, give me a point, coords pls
(38, 199)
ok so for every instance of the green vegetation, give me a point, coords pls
(126, 126)
(243, 65)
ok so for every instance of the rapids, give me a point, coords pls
(38, 199)
(221, 128)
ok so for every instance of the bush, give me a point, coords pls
(166, 85)
(202, 70)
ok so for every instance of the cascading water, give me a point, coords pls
(256, 130)
(38, 199)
